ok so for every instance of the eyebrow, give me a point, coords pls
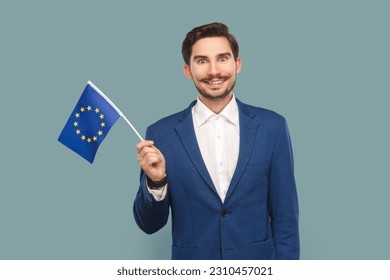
(225, 54)
(205, 57)
(199, 57)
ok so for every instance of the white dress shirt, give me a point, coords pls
(218, 139)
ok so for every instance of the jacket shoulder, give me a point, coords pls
(260, 113)
(166, 125)
(167, 121)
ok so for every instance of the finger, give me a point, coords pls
(150, 160)
(147, 150)
(142, 144)
(148, 155)
(155, 149)
(148, 163)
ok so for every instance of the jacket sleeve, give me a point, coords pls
(283, 200)
(149, 214)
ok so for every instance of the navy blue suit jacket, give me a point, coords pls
(259, 218)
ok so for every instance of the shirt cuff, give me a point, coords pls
(158, 194)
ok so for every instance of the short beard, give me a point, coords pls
(213, 97)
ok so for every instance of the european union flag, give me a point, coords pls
(89, 123)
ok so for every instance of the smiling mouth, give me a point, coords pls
(214, 83)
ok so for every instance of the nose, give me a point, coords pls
(213, 69)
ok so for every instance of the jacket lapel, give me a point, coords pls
(186, 133)
(248, 130)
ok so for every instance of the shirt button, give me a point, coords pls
(221, 163)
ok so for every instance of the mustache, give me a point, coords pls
(218, 76)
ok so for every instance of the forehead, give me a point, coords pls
(211, 46)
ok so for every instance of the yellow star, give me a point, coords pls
(94, 138)
(103, 124)
(83, 137)
(82, 109)
(75, 124)
(89, 140)
(77, 115)
(100, 133)
(101, 116)
(78, 131)
(89, 108)
(97, 110)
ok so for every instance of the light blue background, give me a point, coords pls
(324, 65)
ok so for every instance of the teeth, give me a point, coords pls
(215, 83)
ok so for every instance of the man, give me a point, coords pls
(223, 167)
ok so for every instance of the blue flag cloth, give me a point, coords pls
(89, 123)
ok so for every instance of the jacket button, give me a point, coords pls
(148, 206)
(224, 213)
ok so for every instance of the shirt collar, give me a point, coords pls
(202, 113)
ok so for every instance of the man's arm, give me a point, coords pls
(150, 214)
(283, 200)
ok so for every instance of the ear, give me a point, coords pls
(238, 65)
(187, 71)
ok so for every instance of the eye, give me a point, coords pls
(223, 58)
(202, 61)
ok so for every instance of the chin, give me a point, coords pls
(217, 94)
(214, 96)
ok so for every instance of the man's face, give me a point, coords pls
(213, 68)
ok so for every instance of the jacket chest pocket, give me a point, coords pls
(260, 167)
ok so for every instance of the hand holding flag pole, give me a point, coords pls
(90, 122)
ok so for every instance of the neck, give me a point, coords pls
(216, 105)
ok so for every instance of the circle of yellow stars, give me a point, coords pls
(84, 137)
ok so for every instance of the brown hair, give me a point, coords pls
(215, 29)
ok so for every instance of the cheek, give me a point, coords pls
(233, 68)
(196, 74)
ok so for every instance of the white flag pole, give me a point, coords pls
(116, 108)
